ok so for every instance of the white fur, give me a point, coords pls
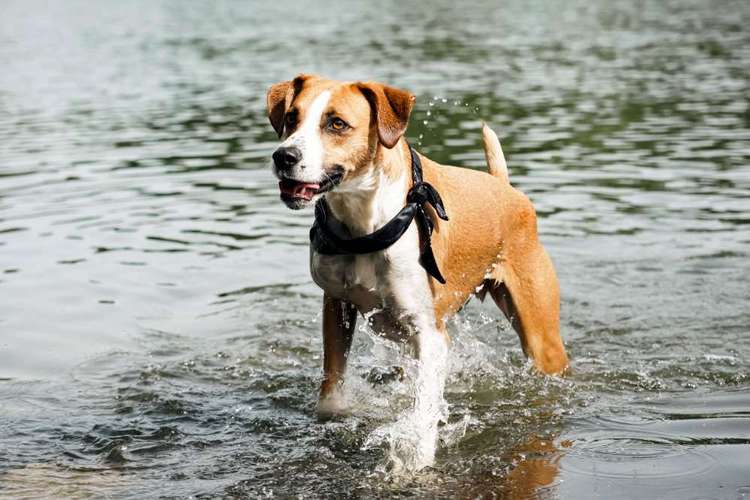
(307, 139)
(389, 287)
(362, 184)
(394, 289)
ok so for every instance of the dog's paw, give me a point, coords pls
(332, 406)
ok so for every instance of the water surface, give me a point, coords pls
(159, 331)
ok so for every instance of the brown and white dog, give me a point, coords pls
(344, 141)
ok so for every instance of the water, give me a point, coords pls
(159, 331)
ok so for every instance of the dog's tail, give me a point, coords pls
(494, 154)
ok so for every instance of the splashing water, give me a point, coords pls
(412, 439)
(159, 333)
(438, 109)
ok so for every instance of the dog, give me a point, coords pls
(457, 233)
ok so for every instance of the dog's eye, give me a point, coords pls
(337, 124)
(290, 118)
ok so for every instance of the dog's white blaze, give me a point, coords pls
(307, 139)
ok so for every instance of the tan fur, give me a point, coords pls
(494, 154)
(491, 238)
(339, 319)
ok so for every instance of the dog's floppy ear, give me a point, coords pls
(276, 102)
(391, 108)
(278, 99)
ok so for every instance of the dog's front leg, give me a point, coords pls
(339, 320)
(431, 347)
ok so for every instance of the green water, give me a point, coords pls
(160, 333)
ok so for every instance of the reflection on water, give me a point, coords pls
(159, 332)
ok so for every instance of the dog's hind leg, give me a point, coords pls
(339, 320)
(524, 285)
(527, 292)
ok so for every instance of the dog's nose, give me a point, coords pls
(286, 157)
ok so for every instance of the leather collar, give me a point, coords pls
(329, 236)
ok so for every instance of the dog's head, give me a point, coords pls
(331, 132)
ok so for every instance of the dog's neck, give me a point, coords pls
(367, 202)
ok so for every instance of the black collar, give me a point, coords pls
(328, 235)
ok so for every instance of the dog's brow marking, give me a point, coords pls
(312, 120)
(307, 139)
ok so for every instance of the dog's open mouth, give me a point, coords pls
(295, 190)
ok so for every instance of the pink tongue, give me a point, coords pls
(304, 190)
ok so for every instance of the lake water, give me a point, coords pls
(160, 333)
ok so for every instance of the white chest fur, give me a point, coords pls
(388, 286)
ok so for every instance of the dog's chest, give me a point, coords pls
(356, 278)
(389, 287)
(386, 295)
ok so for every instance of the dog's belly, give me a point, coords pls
(361, 281)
